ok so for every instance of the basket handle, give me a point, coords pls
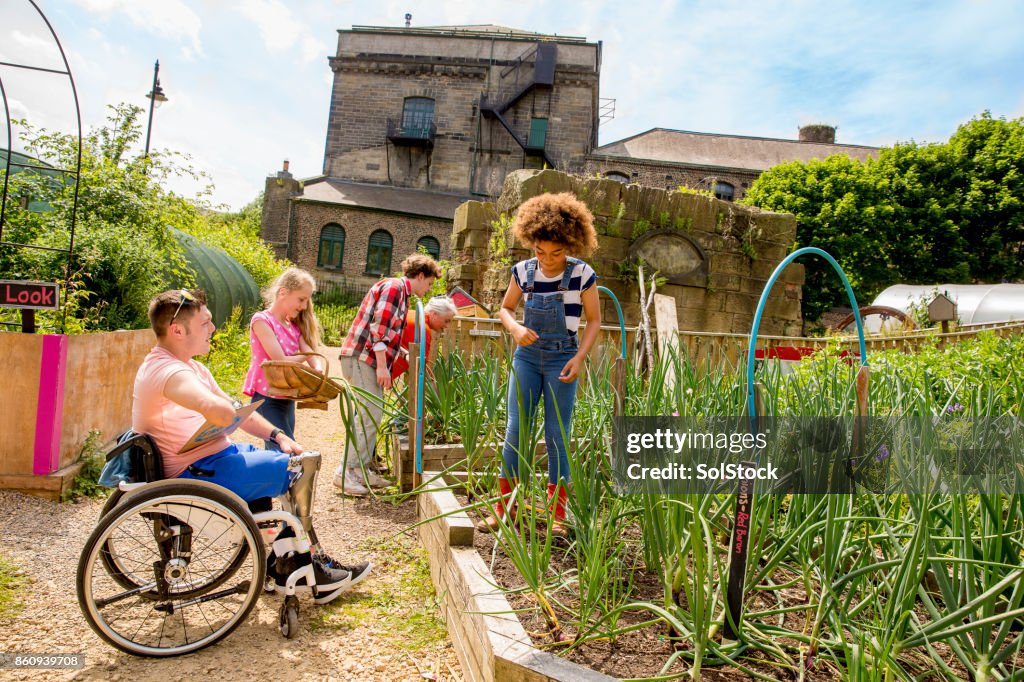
(323, 374)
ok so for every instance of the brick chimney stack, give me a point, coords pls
(820, 133)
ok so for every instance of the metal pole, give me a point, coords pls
(152, 101)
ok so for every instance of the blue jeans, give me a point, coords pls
(278, 411)
(244, 470)
(535, 371)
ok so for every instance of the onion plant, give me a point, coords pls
(878, 585)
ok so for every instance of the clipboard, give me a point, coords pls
(208, 431)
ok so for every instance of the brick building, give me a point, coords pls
(421, 120)
(723, 164)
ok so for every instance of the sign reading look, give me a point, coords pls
(33, 295)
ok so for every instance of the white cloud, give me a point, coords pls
(165, 18)
(313, 49)
(281, 30)
(18, 109)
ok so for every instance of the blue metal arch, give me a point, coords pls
(751, 406)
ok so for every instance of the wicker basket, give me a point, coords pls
(300, 382)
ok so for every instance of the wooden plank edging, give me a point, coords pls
(491, 643)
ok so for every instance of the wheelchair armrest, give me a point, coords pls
(146, 464)
(139, 440)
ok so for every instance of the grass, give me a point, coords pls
(11, 581)
(401, 608)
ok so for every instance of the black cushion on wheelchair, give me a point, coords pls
(261, 504)
(146, 463)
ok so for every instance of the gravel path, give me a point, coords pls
(384, 629)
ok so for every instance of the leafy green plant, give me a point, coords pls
(86, 482)
(501, 241)
(615, 226)
(640, 227)
(125, 248)
(863, 585)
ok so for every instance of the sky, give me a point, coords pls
(248, 82)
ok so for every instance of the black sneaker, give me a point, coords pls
(329, 574)
(357, 574)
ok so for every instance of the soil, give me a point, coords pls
(637, 654)
(353, 638)
(642, 653)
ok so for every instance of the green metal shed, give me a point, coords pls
(226, 283)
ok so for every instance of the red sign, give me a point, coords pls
(36, 295)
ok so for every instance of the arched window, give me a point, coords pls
(378, 255)
(617, 177)
(430, 245)
(724, 191)
(332, 247)
(417, 114)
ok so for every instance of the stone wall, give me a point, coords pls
(309, 218)
(733, 250)
(670, 175)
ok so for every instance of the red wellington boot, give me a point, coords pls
(492, 523)
(558, 528)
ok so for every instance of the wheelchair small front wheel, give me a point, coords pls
(288, 619)
(182, 541)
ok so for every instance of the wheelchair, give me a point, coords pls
(175, 565)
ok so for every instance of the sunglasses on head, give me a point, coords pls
(185, 297)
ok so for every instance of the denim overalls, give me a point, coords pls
(535, 371)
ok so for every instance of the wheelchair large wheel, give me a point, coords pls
(184, 538)
(117, 562)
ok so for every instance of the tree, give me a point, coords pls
(839, 208)
(918, 214)
(124, 249)
(991, 195)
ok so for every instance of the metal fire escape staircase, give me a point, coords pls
(533, 70)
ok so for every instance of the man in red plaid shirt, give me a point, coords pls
(370, 349)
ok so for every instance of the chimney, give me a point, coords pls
(820, 133)
(283, 173)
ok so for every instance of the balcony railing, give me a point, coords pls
(412, 133)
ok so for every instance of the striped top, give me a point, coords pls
(583, 277)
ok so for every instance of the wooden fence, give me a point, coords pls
(476, 335)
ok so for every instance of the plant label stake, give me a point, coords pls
(740, 537)
(738, 550)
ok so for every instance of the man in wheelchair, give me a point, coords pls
(175, 395)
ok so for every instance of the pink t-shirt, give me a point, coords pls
(288, 335)
(167, 422)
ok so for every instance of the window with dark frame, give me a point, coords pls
(617, 177)
(417, 116)
(724, 191)
(378, 254)
(430, 245)
(332, 247)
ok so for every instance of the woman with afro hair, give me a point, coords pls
(557, 288)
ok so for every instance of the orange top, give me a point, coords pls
(408, 336)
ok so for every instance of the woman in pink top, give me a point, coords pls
(285, 329)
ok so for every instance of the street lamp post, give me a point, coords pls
(156, 95)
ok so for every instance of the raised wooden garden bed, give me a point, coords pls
(489, 639)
